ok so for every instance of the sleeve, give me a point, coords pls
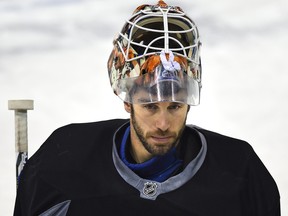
(263, 191)
(17, 206)
(25, 190)
(34, 193)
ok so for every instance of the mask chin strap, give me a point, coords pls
(169, 64)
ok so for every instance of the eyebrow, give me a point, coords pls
(147, 101)
(143, 100)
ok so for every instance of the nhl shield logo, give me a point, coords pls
(150, 189)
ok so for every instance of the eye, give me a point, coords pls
(175, 106)
(150, 107)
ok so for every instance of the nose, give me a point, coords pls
(162, 121)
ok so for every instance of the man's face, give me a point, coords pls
(156, 127)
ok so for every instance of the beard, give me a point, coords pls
(154, 149)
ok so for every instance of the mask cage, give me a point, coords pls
(154, 29)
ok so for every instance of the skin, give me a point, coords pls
(155, 128)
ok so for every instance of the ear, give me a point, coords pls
(127, 107)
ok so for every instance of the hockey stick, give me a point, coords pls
(21, 141)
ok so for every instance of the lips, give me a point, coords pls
(161, 139)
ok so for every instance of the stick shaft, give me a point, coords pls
(21, 136)
(21, 141)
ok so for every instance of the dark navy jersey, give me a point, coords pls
(78, 171)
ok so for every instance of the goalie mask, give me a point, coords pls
(156, 57)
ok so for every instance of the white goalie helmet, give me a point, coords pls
(156, 57)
